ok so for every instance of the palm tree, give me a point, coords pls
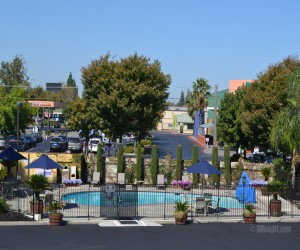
(199, 98)
(286, 129)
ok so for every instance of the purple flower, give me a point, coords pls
(258, 183)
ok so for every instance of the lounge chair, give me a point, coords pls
(96, 178)
(121, 178)
(214, 209)
(160, 181)
(208, 198)
(200, 206)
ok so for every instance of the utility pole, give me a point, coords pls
(215, 114)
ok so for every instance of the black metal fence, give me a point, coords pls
(140, 201)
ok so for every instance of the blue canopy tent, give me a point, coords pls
(245, 193)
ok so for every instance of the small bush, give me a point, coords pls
(4, 207)
(129, 149)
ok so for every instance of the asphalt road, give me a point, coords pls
(168, 141)
(193, 236)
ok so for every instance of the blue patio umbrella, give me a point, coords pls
(203, 167)
(9, 154)
(44, 162)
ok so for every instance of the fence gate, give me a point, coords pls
(119, 201)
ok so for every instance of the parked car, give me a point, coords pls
(57, 144)
(15, 145)
(2, 142)
(56, 125)
(65, 141)
(93, 144)
(28, 141)
(257, 158)
(37, 137)
(75, 144)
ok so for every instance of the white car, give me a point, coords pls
(93, 144)
(2, 142)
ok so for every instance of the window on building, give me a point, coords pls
(190, 126)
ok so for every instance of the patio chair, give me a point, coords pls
(96, 178)
(121, 178)
(200, 206)
(208, 198)
(47, 199)
(214, 209)
(160, 181)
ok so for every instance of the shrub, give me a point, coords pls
(179, 162)
(194, 161)
(154, 164)
(227, 164)
(120, 164)
(139, 172)
(4, 207)
(130, 175)
(129, 149)
(215, 178)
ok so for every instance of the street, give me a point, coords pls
(192, 236)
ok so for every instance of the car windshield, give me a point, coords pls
(55, 140)
(94, 141)
(63, 137)
(74, 140)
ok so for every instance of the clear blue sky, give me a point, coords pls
(219, 40)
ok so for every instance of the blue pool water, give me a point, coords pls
(143, 198)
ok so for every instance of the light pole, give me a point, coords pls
(18, 123)
(244, 182)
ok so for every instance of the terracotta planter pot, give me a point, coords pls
(275, 208)
(36, 208)
(55, 219)
(251, 219)
(181, 221)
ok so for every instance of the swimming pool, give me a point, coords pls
(143, 198)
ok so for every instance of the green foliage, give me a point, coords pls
(215, 178)
(194, 161)
(282, 171)
(120, 163)
(154, 164)
(146, 142)
(181, 206)
(132, 88)
(4, 207)
(37, 183)
(130, 175)
(179, 166)
(83, 168)
(266, 172)
(53, 207)
(198, 99)
(275, 187)
(2, 173)
(139, 170)
(129, 149)
(248, 210)
(100, 167)
(227, 164)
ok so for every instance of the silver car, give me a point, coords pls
(75, 144)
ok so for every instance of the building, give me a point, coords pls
(235, 84)
(176, 119)
(53, 86)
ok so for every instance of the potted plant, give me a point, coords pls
(266, 173)
(275, 187)
(55, 217)
(37, 183)
(249, 214)
(181, 212)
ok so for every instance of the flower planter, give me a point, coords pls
(72, 185)
(36, 208)
(251, 219)
(55, 219)
(181, 221)
(275, 208)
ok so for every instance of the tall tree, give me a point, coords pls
(179, 165)
(71, 87)
(229, 122)
(286, 129)
(188, 96)
(181, 100)
(199, 98)
(125, 96)
(14, 74)
(263, 99)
